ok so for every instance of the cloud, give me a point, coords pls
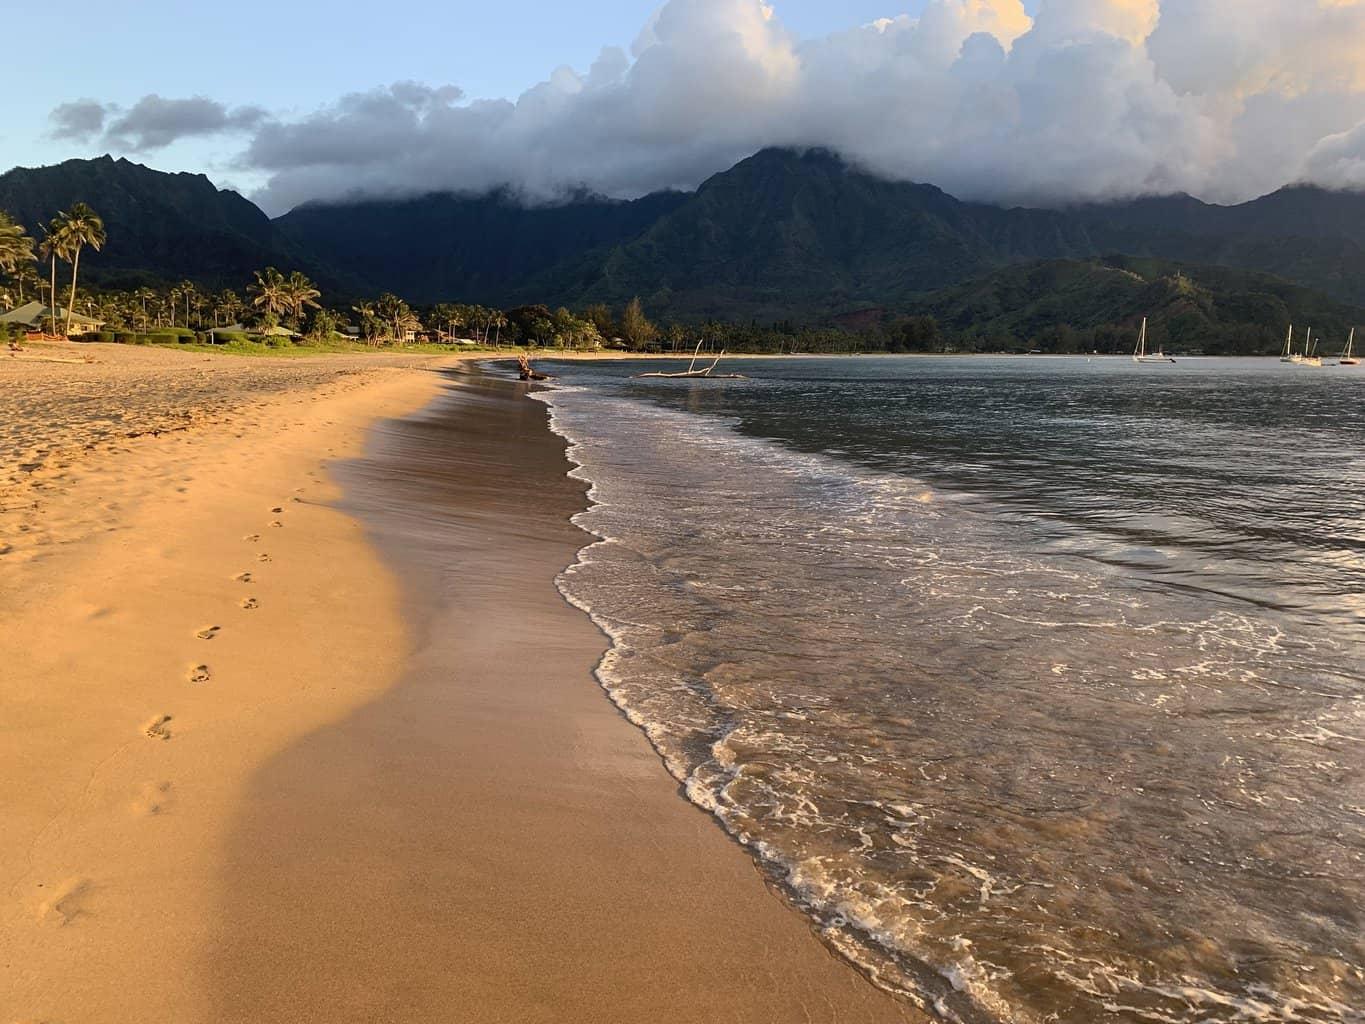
(155, 123)
(1087, 99)
(80, 121)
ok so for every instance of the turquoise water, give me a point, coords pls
(1038, 683)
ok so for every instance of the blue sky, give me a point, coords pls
(292, 57)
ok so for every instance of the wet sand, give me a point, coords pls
(253, 768)
(491, 840)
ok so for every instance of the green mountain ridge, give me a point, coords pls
(784, 235)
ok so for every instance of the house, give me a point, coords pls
(264, 332)
(33, 316)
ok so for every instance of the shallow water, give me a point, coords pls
(1040, 683)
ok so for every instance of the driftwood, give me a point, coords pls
(14, 354)
(692, 371)
(526, 372)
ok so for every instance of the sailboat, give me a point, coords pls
(1140, 353)
(1310, 356)
(1288, 355)
(1347, 358)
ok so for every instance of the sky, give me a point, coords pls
(1040, 102)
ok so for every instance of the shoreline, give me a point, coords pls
(325, 828)
(520, 852)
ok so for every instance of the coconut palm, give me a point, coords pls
(26, 274)
(499, 319)
(396, 314)
(78, 227)
(449, 315)
(299, 293)
(142, 295)
(16, 250)
(52, 248)
(228, 305)
(268, 293)
(369, 321)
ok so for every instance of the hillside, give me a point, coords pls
(786, 234)
(161, 226)
(1074, 305)
(783, 235)
(473, 248)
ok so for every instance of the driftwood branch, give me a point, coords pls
(525, 370)
(692, 371)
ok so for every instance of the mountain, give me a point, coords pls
(161, 226)
(446, 246)
(1079, 305)
(788, 234)
(782, 235)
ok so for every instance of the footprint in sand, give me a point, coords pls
(277, 509)
(243, 577)
(199, 674)
(64, 903)
(208, 632)
(250, 604)
(252, 538)
(263, 557)
(152, 798)
(159, 728)
(277, 524)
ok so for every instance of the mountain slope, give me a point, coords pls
(1072, 305)
(803, 234)
(782, 235)
(451, 247)
(161, 226)
(786, 232)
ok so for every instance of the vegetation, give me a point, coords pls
(75, 229)
(783, 253)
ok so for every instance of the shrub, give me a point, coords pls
(232, 337)
(163, 338)
(125, 338)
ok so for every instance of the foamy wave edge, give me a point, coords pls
(848, 923)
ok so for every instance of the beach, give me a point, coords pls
(298, 728)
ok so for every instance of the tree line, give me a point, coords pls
(65, 236)
(274, 299)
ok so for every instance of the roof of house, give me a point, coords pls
(30, 313)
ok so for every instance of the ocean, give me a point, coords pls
(1037, 683)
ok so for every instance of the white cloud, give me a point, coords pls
(1090, 99)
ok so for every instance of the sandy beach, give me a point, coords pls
(297, 727)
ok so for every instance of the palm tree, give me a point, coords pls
(189, 292)
(51, 249)
(268, 293)
(369, 321)
(299, 292)
(229, 305)
(78, 227)
(450, 315)
(499, 322)
(16, 250)
(395, 313)
(25, 274)
(142, 295)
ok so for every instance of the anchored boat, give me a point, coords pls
(1140, 353)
